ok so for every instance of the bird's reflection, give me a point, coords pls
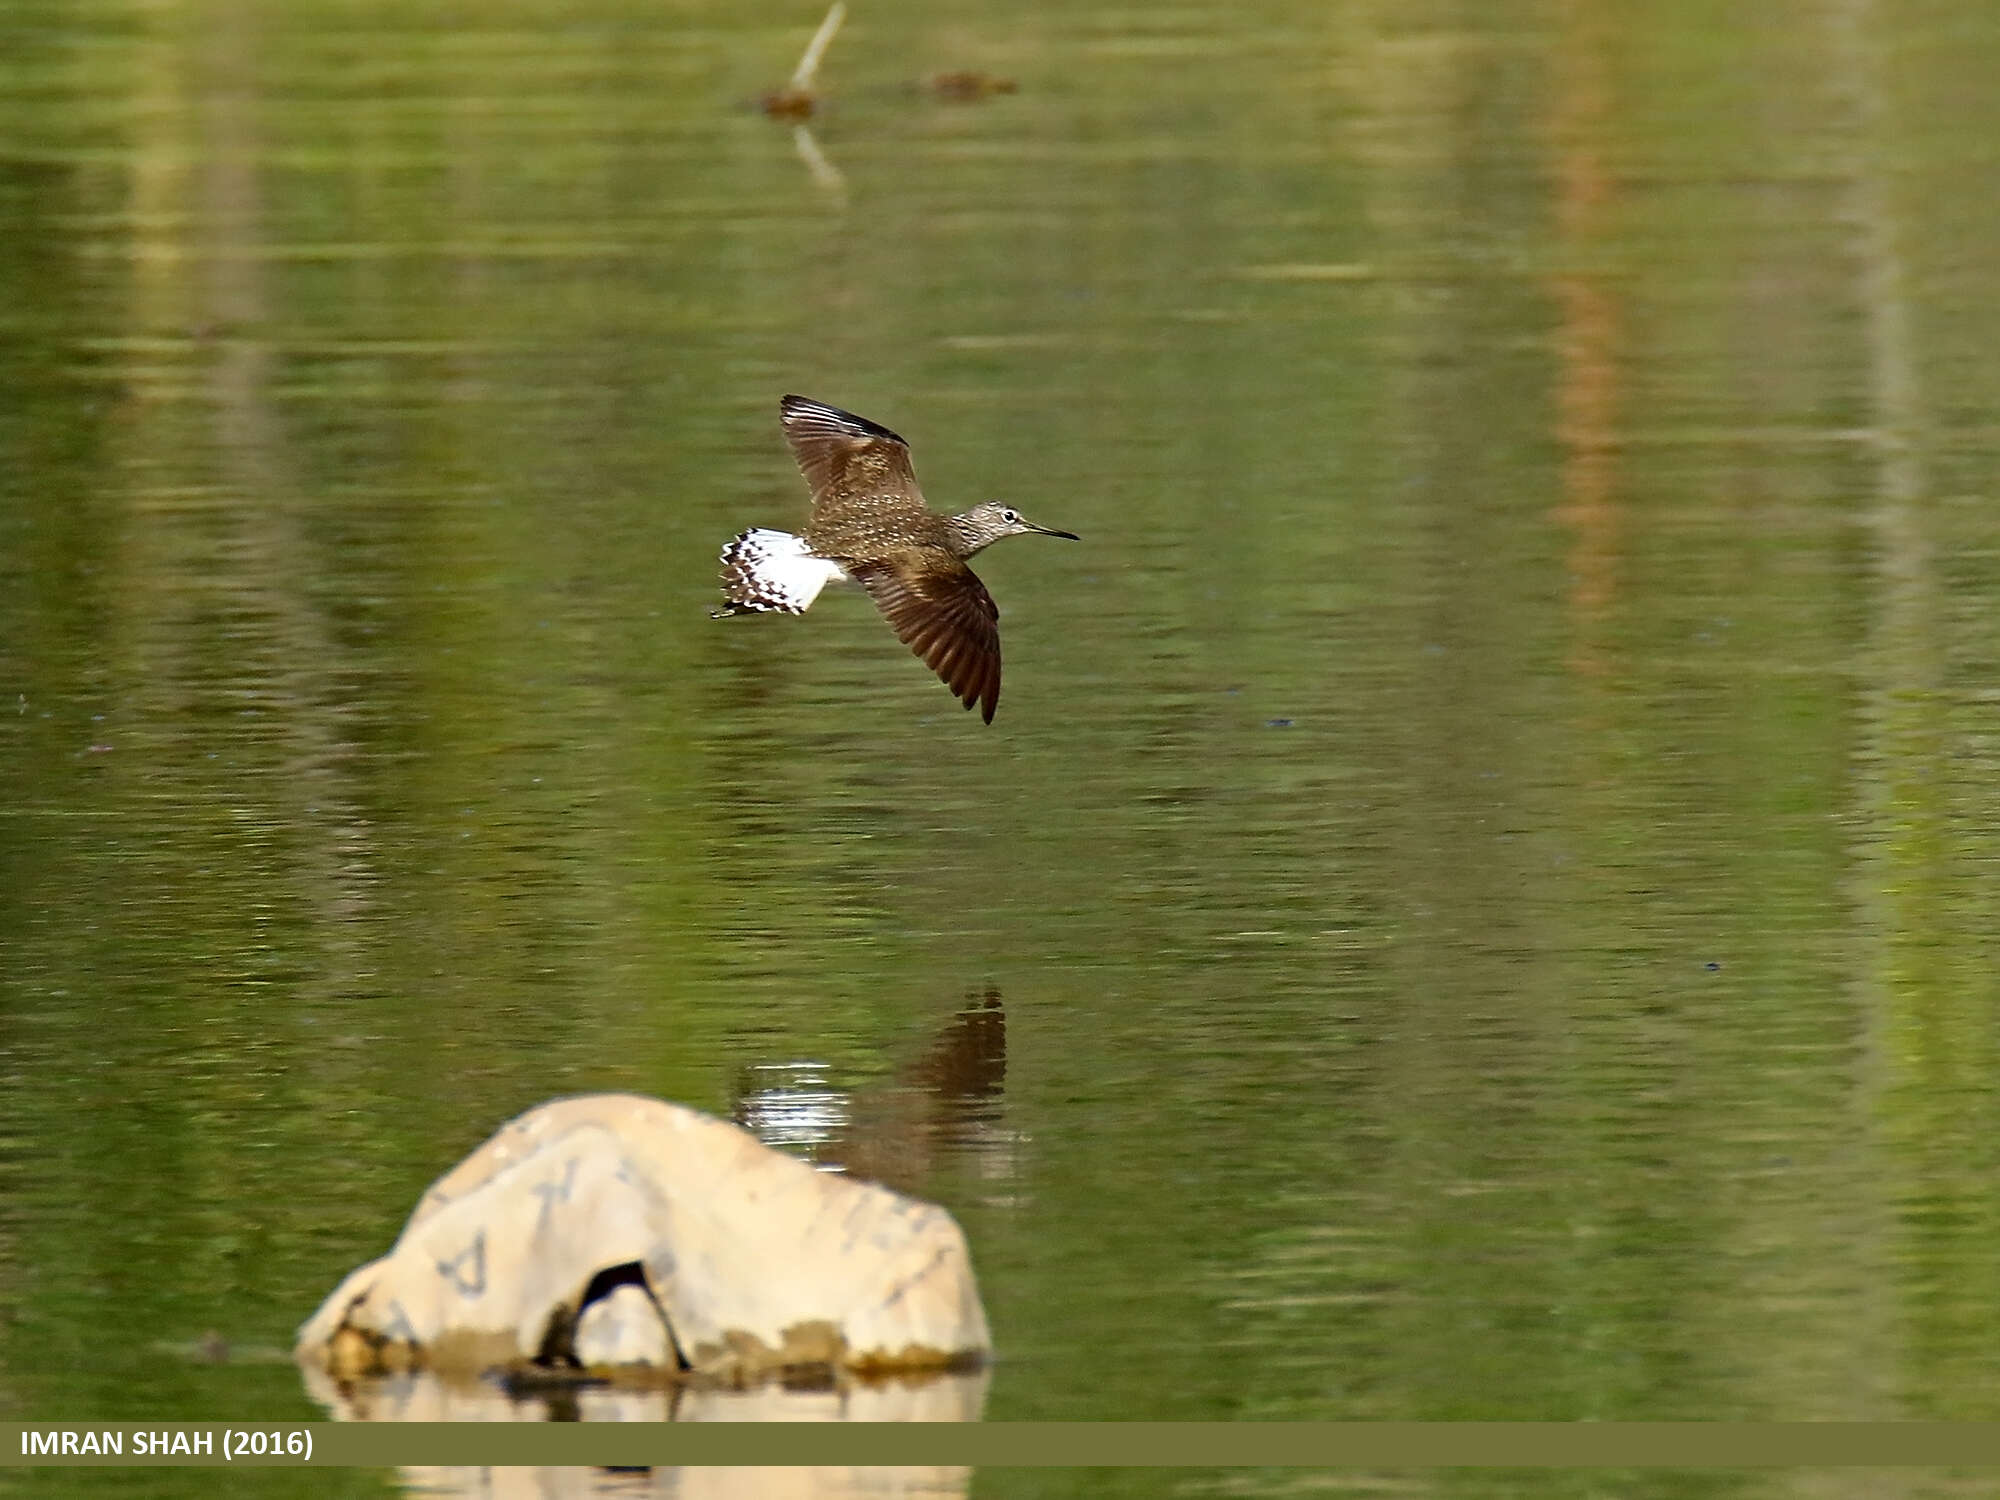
(791, 1106)
(946, 1106)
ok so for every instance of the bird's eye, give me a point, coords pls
(1010, 515)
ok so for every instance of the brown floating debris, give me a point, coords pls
(798, 99)
(784, 104)
(969, 86)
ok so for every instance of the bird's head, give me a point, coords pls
(990, 520)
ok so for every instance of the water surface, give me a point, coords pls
(1478, 901)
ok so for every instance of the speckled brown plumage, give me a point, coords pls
(869, 523)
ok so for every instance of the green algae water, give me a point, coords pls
(1479, 901)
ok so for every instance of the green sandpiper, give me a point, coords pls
(869, 525)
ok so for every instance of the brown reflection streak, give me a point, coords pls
(198, 165)
(943, 1101)
(277, 551)
(1587, 341)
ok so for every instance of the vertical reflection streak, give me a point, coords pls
(1898, 814)
(1587, 343)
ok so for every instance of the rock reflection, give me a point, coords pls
(686, 1483)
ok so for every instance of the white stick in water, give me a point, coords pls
(802, 76)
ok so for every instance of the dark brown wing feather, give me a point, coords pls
(939, 609)
(859, 473)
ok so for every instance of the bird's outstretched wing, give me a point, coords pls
(939, 609)
(859, 473)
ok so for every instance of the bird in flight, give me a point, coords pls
(869, 525)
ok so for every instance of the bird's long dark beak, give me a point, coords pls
(1068, 536)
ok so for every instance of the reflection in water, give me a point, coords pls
(419, 1396)
(824, 173)
(1573, 424)
(790, 1107)
(1586, 395)
(797, 1483)
(948, 1102)
(968, 85)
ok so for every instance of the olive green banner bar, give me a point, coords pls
(1357, 1445)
